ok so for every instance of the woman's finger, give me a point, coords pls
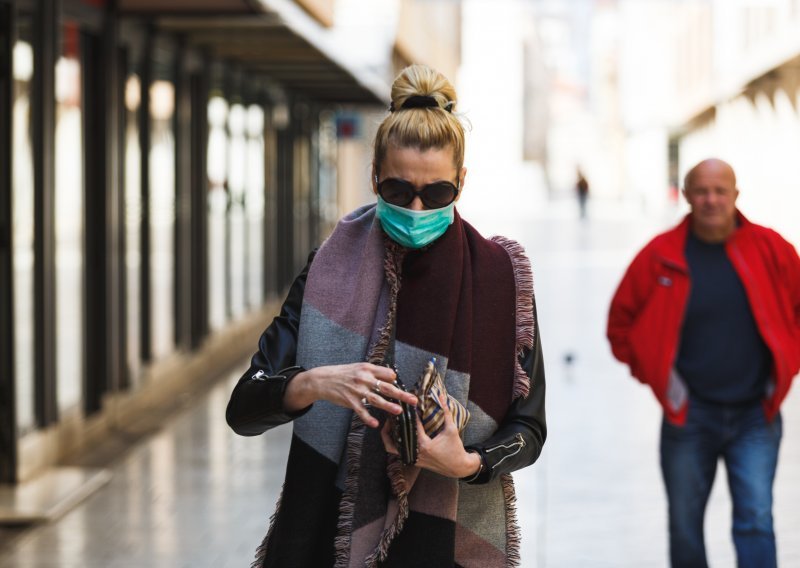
(380, 380)
(386, 436)
(449, 422)
(386, 405)
(422, 436)
(360, 408)
(388, 390)
(379, 395)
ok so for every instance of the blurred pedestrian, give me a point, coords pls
(708, 315)
(582, 192)
(408, 285)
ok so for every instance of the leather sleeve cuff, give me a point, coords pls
(483, 475)
(283, 377)
(276, 385)
(289, 372)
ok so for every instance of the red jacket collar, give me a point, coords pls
(673, 242)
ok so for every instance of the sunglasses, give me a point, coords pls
(401, 193)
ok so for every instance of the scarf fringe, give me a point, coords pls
(392, 266)
(523, 276)
(513, 536)
(398, 483)
(347, 505)
(261, 551)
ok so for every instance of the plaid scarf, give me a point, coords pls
(468, 302)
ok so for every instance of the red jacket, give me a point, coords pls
(646, 315)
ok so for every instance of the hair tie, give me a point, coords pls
(421, 101)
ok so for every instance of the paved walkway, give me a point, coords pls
(595, 498)
(196, 495)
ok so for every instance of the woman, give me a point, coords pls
(396, 285)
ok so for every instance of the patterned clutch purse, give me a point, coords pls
(428, 390)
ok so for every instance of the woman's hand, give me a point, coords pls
(347, 386)
(444, 454)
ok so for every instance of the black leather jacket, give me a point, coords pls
(256, 404)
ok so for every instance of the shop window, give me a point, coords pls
(256, 168)
(69, 220)
(301, 203)
(237, 225)
(133, 225)
(217, 205)
(328, 204)
(162, 217)
(23, 207)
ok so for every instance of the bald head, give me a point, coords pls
(712, 166)
(710, 189)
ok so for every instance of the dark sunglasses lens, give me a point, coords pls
(396, 192)
(440, 194)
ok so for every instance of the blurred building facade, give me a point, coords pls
(747, 110)
(165, 168)
(384, 37)
(714, 78)
(501, 86)
(571, 95)
(639, 91)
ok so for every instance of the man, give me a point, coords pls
(708, 315)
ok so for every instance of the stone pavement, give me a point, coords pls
(196, 495)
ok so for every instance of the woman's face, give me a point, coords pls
(419, 168)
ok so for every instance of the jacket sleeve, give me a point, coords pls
(626, 305)
(519, 439)
(791, 275)
(256, 403)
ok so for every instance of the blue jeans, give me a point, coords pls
(749, 445)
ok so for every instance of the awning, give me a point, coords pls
(285, 45)
(785, 77)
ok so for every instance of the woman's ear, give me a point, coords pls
(462, 177)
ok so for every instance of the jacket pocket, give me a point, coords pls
(677, 392)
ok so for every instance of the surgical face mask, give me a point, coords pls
(414, 229)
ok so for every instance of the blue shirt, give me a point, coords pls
(722, 356)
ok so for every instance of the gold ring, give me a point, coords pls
(378, 386)
(364, 400)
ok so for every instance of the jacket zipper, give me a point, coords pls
(518, 444)
(775, 356)
(673, 355)
(258, 376)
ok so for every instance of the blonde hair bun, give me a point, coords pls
(414, 121)
(417, 82)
